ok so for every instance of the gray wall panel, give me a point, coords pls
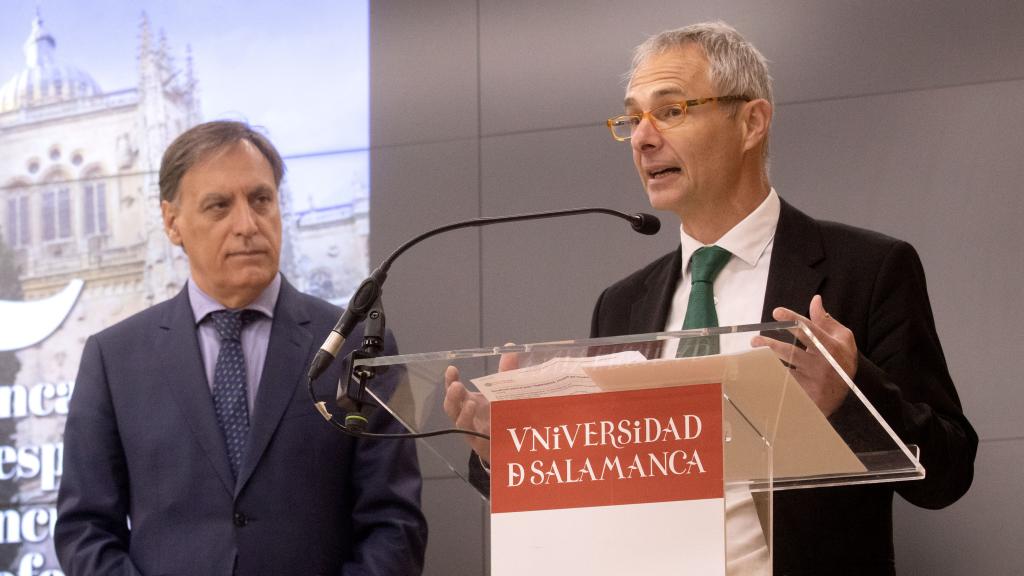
(980, 534)
(546, 64)
(541, 279)
(432, 296)
(423, 63)
(822, 50)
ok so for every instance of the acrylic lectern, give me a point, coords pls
(644, 454)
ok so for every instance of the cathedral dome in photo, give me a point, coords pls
(44, 80)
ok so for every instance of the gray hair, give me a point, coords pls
(735, 65)
(204, 140)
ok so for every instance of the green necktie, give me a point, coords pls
(705, 264)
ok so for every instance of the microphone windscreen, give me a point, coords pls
(646, 223)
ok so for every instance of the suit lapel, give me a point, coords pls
(288, 355)
(649, 312)
(792, 276)
(181, 368)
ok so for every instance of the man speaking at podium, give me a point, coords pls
(698, 110)
(191, 446)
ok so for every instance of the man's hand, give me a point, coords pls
(810, 368)
(468, 410)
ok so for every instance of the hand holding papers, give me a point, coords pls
(560, 376)
(468, 411)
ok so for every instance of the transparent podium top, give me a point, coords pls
(783, 427)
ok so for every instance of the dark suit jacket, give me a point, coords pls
(142, 445)
(875, 286)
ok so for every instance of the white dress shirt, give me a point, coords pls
(739, 288)
(739, 299)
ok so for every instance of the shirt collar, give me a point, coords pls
(202, 303)
(748, 239)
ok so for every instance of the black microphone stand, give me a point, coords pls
(365, 305)
(352, 397)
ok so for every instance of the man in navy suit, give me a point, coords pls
(698, 109)
(191, 445)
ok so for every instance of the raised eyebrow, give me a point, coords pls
(659, 93)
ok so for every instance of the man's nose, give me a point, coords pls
(645, 135)
(244, 219)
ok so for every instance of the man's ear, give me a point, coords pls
(757, 118)
(169, 210)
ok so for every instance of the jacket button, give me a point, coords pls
(240, 519)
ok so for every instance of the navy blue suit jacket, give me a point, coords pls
(875, 286)
(142, 446)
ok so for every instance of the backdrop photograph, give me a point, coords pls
(91, 93)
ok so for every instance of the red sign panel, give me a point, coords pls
(632, 447)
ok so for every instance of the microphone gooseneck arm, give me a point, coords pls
(367, 298)
(642, 223)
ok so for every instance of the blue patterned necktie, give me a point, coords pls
(705, 264)
(230, 401)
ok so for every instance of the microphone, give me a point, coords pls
(645, 223)
(369, 291)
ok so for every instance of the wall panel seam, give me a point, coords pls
(898, 92)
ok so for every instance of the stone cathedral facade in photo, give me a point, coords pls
(79, 201)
